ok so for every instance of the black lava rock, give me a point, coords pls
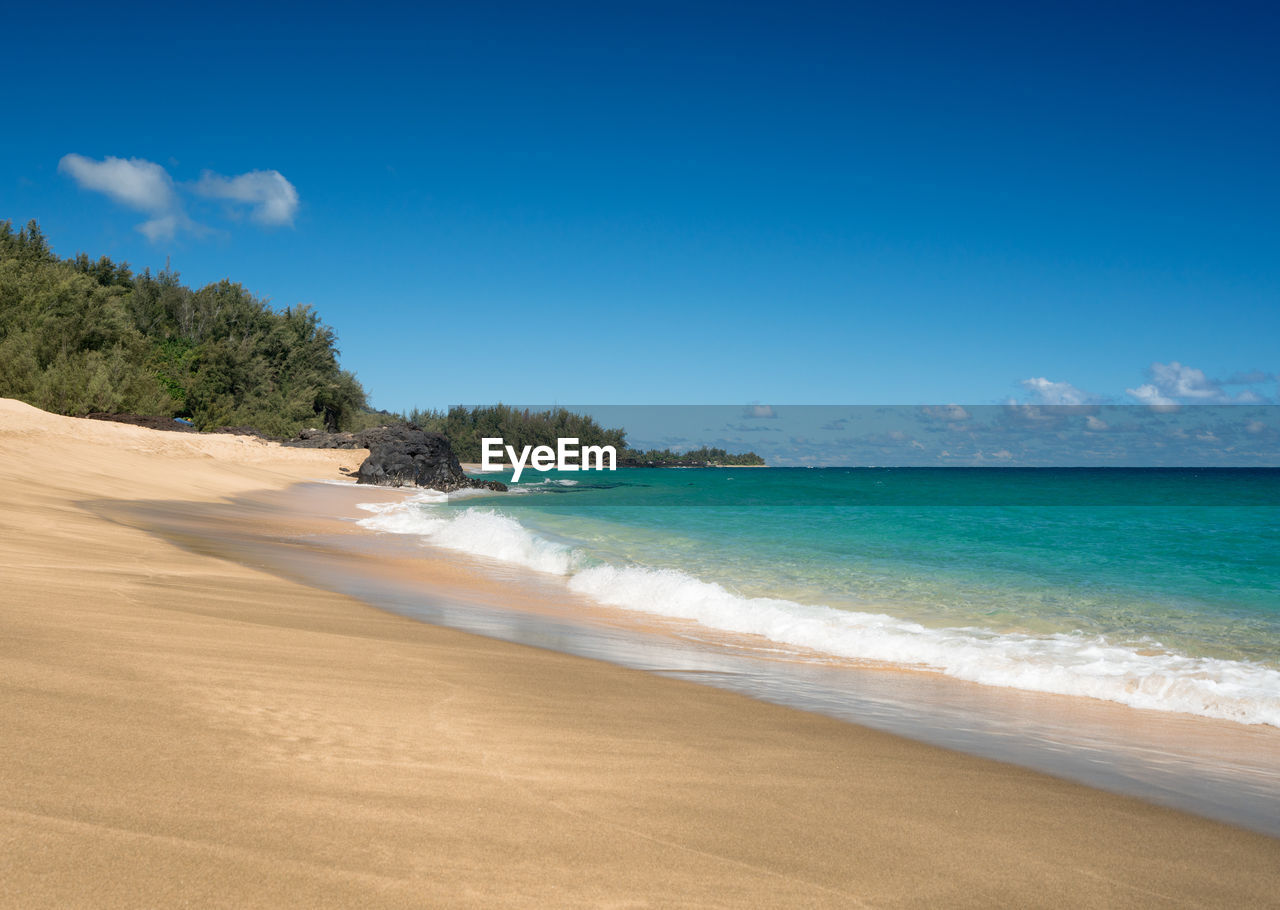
(400, 456)
(319, 439)
(406, 455)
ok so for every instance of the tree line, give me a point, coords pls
(467, 426)
(79, 336)
(518, 427)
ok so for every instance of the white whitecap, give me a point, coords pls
(481, 532)
(1065, 664)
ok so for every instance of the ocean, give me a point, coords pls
(1158, 589)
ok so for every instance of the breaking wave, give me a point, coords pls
(1066, 664)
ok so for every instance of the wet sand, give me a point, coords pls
(309, 533)
(184, 728)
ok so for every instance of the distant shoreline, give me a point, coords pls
(472, 467)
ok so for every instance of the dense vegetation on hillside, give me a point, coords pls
(79, 336)
(466, 427)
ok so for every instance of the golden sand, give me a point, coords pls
(178, 729)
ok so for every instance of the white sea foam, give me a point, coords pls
(482, 532)
(539, 486)
(405, 507)
(1065, 664)
(468, 493)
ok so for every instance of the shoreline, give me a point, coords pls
(1212, 767)
(184, 727)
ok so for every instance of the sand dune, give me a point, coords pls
(179, 729)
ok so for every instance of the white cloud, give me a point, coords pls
(273, 198)
(1095, 424)
(165, 227)
(951, 412)
(1173, 383)
(135, 182)
(1178, 381)
(147, 187)
(1028, 413)
(759, 412)
(1149, 394)
(1050, 392)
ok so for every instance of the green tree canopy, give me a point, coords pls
(80, 335)
(518, 427)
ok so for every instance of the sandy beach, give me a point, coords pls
(180, 729)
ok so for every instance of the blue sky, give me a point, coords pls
(689, 203)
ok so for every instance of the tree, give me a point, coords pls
(82, 335)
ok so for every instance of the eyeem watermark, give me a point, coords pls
(566, 456)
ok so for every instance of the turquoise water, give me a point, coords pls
(1158, 588)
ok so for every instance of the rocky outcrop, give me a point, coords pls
(400, 456)
(139, 420)
(407, 456)
(319, 439)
